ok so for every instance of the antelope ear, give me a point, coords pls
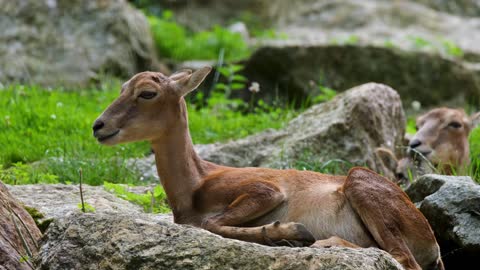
(185, 83)
(474, 120)
(180, 74)
(387, 158)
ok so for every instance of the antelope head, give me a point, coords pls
(149, 107)
(442, 138)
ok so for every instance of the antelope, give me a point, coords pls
(261, 205)
(439, 145)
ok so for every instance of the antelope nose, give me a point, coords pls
(97, 125)
(415, 143)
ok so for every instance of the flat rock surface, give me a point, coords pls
(56, 201)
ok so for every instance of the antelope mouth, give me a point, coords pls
(106, 137)
(419, 154)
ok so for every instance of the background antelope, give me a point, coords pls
(439, 145)
(262, 205)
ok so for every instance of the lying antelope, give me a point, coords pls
(440, 144)
(262, 205)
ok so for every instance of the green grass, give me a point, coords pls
(474, 168)
(53, 127)
(309, 162)
(154, 201)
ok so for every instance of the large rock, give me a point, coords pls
(293, 70)
(18, 233)
(452, 206)
(139, 241)
(468, 8)
(344, 131)
(118, 236)
(52, 42)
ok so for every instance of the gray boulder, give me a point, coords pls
(18, 233)
(294, 69)
(119, 236)
(337, 135)
(63, 42)
(468, 8)
(452, 206)
(140, 241)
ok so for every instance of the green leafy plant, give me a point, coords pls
(24, 259)
(326, 94)
(411, 125)
(154, 201)
(20, 174)
(352, 40)
(474, 141)
(86, 207)
(451, 48)
(234, 82)
(419, 42)
(39, 218)
(389, 44)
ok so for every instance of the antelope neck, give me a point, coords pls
(178, 165)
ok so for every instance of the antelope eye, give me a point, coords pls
(455, 125)
(147, 94)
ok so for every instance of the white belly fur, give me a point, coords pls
(327, 214)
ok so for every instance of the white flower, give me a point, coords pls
(416, 105)
(53, 116)
(255, 87)
(59, 104)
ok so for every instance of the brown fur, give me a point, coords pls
(257, 204)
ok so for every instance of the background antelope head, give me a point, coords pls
(442, 138)
(150, 106)
(440, 145)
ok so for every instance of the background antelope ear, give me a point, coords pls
(188, 82)
(387, 158)
(474, 120)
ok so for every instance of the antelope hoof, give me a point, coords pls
(304, 235)
(287, 234)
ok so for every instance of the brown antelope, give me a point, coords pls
(440, 144)
(262, 205)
